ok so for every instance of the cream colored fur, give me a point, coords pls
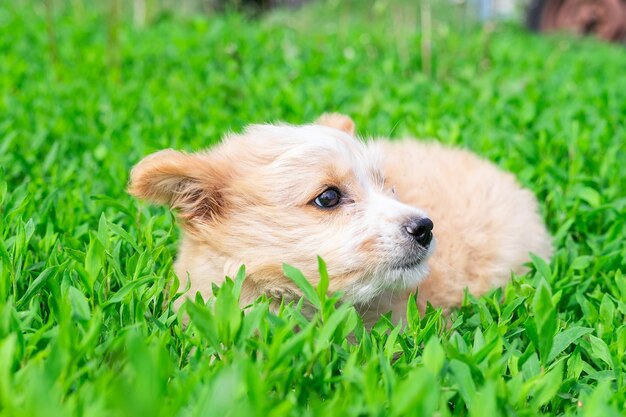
(250, 201)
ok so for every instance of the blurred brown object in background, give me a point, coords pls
(605, 19)
(254, 5)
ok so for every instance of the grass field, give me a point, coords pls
(86, 281)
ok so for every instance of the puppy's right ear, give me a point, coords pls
(338, 121)
(189, 183)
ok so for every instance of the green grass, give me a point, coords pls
(86, 281)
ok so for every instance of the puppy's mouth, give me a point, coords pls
(410, 263)
(414, 259)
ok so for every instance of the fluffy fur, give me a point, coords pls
(250, 200)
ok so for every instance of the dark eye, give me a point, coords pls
(329, 198)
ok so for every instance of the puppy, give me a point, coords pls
(387, 216)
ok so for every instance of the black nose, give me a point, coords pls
(420, 228)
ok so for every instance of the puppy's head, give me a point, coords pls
(285, 194)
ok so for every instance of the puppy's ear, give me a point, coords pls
(338, 121)
(189, 183)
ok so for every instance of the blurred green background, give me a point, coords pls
(86, 284)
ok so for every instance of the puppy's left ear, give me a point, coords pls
(338, 121)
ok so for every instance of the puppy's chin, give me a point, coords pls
(391, 280)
